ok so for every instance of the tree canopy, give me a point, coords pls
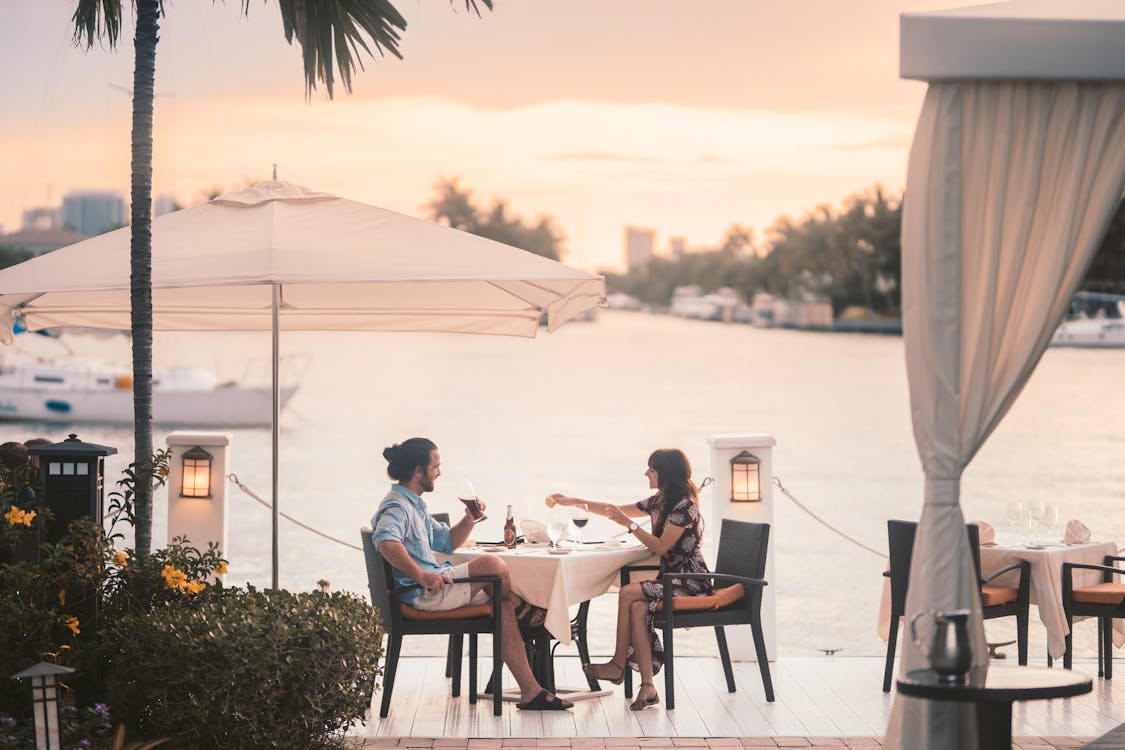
(454, 206)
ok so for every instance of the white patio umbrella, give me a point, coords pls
(277, 256)
(1017, 167)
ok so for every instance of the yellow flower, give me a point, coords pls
(194, 587)
(173, 578)
(28, 517)
(120, 559)
(221, 568)
(62, 597)
(14, 515)
(72, 623)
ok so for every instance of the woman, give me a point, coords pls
(677, 537)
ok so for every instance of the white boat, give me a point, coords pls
(71, 391)
(1096, 321)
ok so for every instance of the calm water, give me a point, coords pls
(578, 411)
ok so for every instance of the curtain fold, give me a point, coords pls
(1010, 188)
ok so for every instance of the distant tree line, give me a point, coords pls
(454, 206)
(850, 256)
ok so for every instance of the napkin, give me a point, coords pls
(987, 533)
(1076, 532)
(534, 531)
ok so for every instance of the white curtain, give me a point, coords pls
(1010, 188)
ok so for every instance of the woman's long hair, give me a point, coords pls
(674, 483)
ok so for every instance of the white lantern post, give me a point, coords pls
(742, 467)
(197, 490)
(44, 679)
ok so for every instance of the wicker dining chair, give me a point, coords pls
(996, 601)
(401, 619)
(1105, 601)
(739, 578)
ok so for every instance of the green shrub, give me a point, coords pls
(48, 610)
(244, 668)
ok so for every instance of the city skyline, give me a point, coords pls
(599, 116)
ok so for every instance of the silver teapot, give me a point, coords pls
(950, 653)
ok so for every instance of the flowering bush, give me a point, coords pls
(47, 611)
(243, 668)
(172, 651)
(78, 728)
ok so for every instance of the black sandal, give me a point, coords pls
(545, 702)
(590, 670)
(640, 704)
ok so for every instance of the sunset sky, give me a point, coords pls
(600, 113)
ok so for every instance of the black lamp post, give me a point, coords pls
(72, 474)
(745, 479)
(45, 702)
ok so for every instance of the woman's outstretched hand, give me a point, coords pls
(556, 498)
(617, 515)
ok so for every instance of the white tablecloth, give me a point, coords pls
(1046, 585)
(1046, 582)
(557, 582)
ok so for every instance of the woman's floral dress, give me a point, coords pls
(685, 556)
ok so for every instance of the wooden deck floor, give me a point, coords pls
(816, 697)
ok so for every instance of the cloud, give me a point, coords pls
(620, 158)
(897, 142)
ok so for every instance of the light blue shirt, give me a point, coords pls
(402, 517)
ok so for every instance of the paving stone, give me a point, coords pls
(689, 741)
(758, 742)
(722, 741)
(792, 741)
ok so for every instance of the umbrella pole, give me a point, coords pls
(275, 421)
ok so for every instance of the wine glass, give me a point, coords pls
(1051, 521)
(555, 531)
(1024, 525)
(1014, 510)
(1037, 508)
(580, 516)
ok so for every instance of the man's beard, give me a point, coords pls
(427, 485)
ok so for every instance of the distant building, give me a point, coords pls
(678, 246)
(93, 212)
(163, 204)
(41, 218)
(639, 246)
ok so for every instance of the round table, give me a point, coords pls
(994, 692)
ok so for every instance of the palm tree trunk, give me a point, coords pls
(140, 258)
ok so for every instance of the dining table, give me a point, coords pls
(560, 578)
(1046, 580)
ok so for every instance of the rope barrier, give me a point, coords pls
(234, 478)
(777, 483)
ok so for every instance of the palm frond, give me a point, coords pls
(95, 19)
(335, 35)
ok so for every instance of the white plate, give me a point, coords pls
(558, 551)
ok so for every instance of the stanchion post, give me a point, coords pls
(197, 487)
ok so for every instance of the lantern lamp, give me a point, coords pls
(197, 473)
(745, 482)
(45, 702)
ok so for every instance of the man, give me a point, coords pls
(407, 538)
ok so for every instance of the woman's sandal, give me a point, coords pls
(640, 704)
(591, 672)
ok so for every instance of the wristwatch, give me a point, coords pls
(633, 527)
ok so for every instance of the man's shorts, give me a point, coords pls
(451, 596)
